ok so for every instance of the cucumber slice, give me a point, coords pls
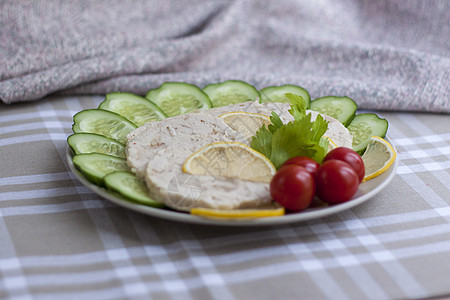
(231, 92)
(363, 127)
(94, 143)
(104, 123)
(137, 109)
(276, 93)
(341, 108)
(96, 166)
(131, 187)
(176, 98)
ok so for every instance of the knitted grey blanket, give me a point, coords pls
(385, 54)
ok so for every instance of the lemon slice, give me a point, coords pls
(230, 159)
(331, 144)
(377, 158)
(245, 123)
(238, 213)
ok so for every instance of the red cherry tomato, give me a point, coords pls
(349, 156)
(293, 187)
(336, 182)
(303, 161)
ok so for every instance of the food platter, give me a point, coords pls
(366, 191)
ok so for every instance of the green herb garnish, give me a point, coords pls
(301, 137)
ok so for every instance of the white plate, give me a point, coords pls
(365, 191)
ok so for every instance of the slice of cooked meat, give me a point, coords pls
(248, 106)
(144, 142)
(181, 191)
(157, 151)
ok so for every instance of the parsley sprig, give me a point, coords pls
(301, 137)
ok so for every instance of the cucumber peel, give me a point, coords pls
(231, 92)
(103, 122)
(93, 143)
(176, 98)
(137, 109)
(363, 127)
(130, 187)
(341, 108)
(96, 166)
(277, 94)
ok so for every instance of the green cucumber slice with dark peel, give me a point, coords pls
(137, 109)
(129, 186)
(103, 122)
(231, 92)
(176, 98)
(277, 93)
(96, 166)
(341, 108)
(363, 127)
(82, 143)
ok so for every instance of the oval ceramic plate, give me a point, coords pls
(365, 191)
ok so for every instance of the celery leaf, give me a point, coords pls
(301, 137)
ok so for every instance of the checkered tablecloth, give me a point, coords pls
(58, 240)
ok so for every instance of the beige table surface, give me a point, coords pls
(59, 240)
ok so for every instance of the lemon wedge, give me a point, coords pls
(245, 123)
(331, 144)
(238, 213)
(377, 158)
(230, 159)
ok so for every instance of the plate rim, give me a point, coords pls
(184, 217)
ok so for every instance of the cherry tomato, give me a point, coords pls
(349, 156)
(303, 161)
(336, 181)
(293, 187)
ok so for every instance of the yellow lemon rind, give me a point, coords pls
(237, 213)
(233, 113)
(331, 142)
(387, 165)
(187, 162)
